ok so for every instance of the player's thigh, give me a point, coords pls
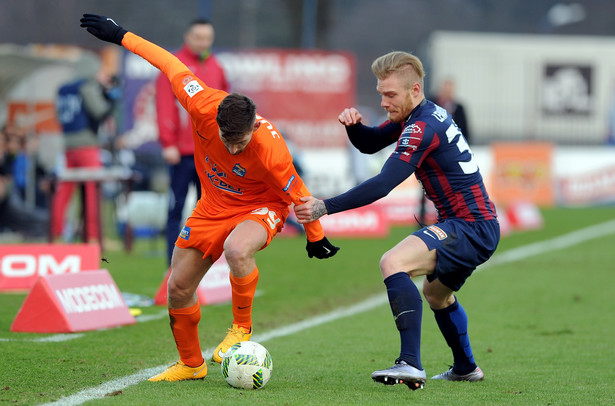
(410, 255)
(255, 230)
(188, 267)
(245, 240)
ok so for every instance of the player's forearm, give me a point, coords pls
(314, 231)
(393, 173)
(157, 56)
(370, 140)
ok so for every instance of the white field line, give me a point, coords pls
(564, 241)
(56, 338)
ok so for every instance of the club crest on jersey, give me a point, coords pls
(413, 129)
(192, 88)
(185, 233)
(239, 170)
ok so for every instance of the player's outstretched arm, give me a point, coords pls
(105, 29)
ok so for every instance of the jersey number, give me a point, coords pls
(273, 220)
(466, 166)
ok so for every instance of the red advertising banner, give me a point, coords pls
(301, 92)
(361, 222)
(22, 265)
(596, 187)
(69, 303)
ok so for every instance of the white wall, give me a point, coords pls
(504, 82)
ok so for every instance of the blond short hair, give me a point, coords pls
(398, 61)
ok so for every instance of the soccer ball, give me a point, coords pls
(247, 365)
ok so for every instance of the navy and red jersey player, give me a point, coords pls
(431, 146)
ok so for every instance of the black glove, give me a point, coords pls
(103, 28)
(321, 249)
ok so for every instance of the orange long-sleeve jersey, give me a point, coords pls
(263, 173)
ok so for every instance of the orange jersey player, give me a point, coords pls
(247, 181)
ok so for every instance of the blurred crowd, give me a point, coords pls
(23, 204)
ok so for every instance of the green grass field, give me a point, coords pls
(542, 328)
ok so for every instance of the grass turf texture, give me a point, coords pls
(541, 329)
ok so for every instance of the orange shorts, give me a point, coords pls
(207, 233)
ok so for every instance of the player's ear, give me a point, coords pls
(257, 124)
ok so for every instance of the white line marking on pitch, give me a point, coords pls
(515, 254)
(51, 339)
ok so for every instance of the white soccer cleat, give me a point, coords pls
(401, 372)
(474, 376)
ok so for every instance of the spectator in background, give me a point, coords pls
(29, 178)
(447, 98)
(81, 107)
(16, 216)
(174, 124)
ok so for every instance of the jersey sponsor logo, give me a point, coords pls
(404, 142)
(239, 170)
(192, 88)
(223, 185)
(217, 177)
(409, 139)
(413, 129)
(185, 233)
(439, 233)
(440, 114)
(289, 184)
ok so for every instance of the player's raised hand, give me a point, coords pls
(103, 28)
(350, 117)
(312, 209)
(321, 249)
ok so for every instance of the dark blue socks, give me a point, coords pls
(453, 323)
(407, 307)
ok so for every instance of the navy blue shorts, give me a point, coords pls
(460, 247)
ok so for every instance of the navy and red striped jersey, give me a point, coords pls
(437, 152)
(430, 145)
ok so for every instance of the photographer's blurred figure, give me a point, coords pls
(82, 105)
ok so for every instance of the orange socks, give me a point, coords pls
(184, 325)
(243, 295)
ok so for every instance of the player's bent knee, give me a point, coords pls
(387, 268)
(236, 254)
(178, 293)
(438, 299)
